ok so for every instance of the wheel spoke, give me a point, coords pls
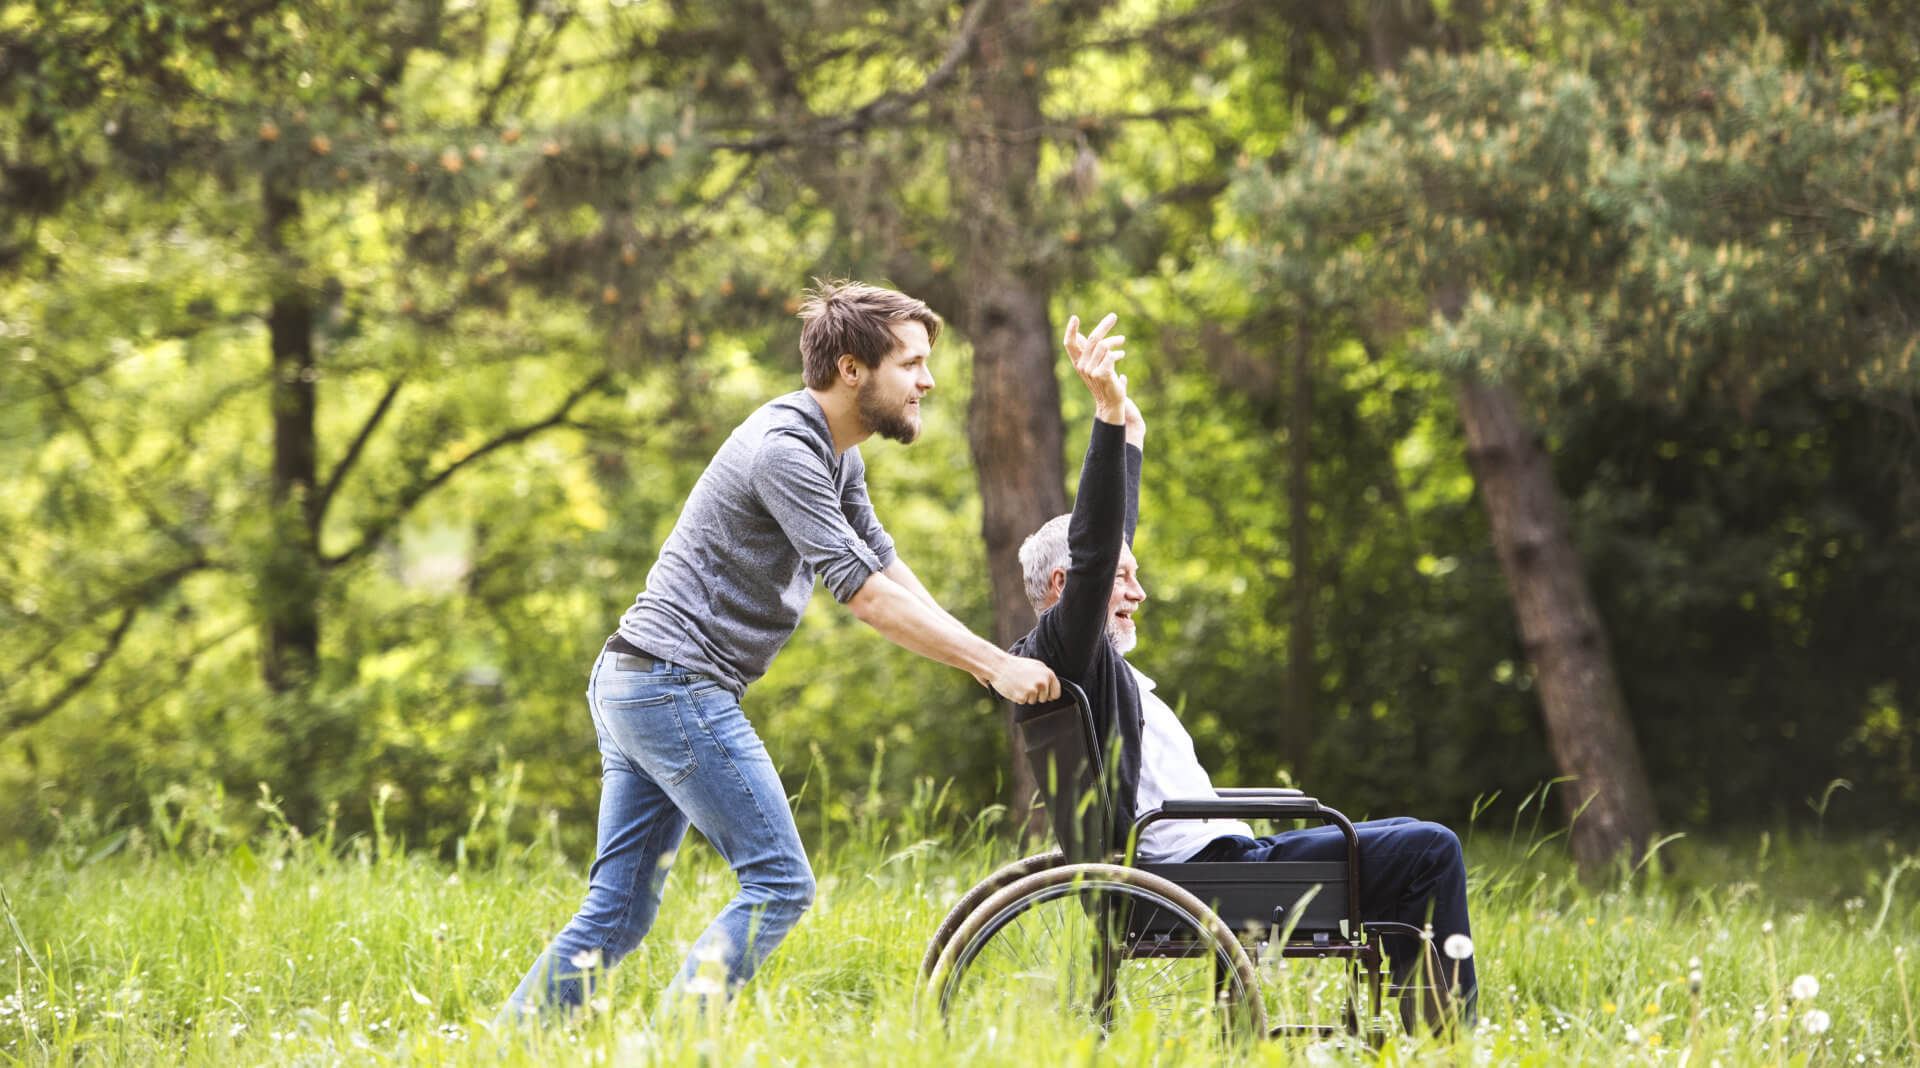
(1049, 947)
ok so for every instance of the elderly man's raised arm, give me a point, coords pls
(1069, 633)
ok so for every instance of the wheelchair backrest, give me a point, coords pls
(1063, 750)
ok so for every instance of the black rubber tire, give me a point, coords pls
(1006, 875)
(1239, 1010)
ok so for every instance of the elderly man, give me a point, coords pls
(1084, 583)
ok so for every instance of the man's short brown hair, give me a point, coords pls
(853, 317)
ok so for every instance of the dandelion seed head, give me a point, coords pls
(1816, 1021)
(587, 959)
(1805, 988)
(1458, 946)
(705, 986)
(1695, 980)
(1766, 928)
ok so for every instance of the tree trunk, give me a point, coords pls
(1013, 424)
(317, 738)
(1017, 438)
(1609, 802)
(290, 590)
(1296, 725)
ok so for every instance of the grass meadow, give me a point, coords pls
(188, 943)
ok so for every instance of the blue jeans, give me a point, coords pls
(1411, 871)
(675, 748)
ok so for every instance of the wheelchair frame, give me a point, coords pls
(1185, 909)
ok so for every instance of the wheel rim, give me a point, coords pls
(1042, 953)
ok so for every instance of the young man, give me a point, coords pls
(784, 500)
(1084, 584)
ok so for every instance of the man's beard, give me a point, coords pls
(894, 424)
(1124, 638)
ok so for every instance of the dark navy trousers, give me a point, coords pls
(1410, 871)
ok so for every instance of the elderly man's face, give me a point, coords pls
(1127, 597)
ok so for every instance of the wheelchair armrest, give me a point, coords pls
(1258, 791)
(1251, 808)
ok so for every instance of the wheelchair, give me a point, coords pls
(1087, 931)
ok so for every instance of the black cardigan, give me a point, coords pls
(1071, 637)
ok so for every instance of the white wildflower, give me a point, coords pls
(1458, 946)
(1766, 928)
(1805, 988)
(713, 950)
(705, 986)
(587, 959)
(1816, 1021)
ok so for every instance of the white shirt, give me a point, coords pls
(1168, 768)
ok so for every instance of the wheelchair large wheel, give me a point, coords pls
(1002, 877)
(1105, 945)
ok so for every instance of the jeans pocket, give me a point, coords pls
(651, 731)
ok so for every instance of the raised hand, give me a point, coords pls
(1095, 358)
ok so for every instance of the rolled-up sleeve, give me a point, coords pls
(858, 509)
(796, 486)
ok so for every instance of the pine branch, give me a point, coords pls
(58, 391)
(27, 718)
(138, 594)
(359, 442)
(884, 107)
(372, 535)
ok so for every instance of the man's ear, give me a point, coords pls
(1057, 582)
(849, 367)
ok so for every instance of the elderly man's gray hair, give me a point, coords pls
(1044, 550)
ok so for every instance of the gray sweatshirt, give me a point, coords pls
(774, 508)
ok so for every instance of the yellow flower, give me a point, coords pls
(1609, 1008)
(1591, 921)
(1653, 1040)
(1653, 1008)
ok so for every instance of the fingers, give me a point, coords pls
(1107, 353)
(1101, 330)
(1053, 687)
(1073, 331)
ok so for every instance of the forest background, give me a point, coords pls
(1530, 387)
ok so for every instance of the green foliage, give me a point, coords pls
(549, 251)
(1687, 234)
